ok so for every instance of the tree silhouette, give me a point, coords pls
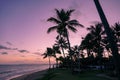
(97, 32)
(116, 32)
(56, 50)
(63, 24)
(87, 44)
(111, 37)
(62, 43)
(49, 53)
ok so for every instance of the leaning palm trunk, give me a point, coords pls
(111, 38)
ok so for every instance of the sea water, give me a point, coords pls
(9, 71)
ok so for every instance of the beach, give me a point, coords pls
(8, 72)
(31, 76)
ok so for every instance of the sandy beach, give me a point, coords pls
(31, 76)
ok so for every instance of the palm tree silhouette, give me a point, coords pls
(97, 32)
(111, 37)
(63, 24)
(56, 50)
(116, 31)
(49, 53)
(92, 42)
(87, 44)
(62, 43)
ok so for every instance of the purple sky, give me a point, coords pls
(23, 25)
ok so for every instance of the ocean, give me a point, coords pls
(9, 71)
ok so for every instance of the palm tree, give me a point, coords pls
(49, 53)
(106, 45)
(97, 33)
(63, 23)
(76, 55)
(56, 50)
(61, 43)
(116, 32)
(76, 51)
(87, 44)
(92, 41)
(111, 37)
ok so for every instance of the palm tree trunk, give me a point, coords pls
(63, 52)
(88, 52)
(49, 63)
(56, 63)
(62, 48)
(69, 47)
(100, 55)
(110, 36)
(79, 63)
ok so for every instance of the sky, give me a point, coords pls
(23, 26)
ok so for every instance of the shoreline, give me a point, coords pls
(30, 76)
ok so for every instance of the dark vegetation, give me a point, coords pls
(95, 52)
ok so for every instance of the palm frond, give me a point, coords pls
(75, 23)
(91, 28)
(59, 14)
(72, 28)
(51, 29)
(44, 55)
(52, 19)
(69, 12)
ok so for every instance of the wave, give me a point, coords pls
(7, 71)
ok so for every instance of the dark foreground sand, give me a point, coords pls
(31, 76)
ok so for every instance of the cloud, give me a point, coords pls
(23, 51)
(16, 49)
(94, 22)
(7, 48)
(37, 53)
(9, 43)
(4, 53)
(4, 47)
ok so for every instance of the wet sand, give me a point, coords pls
(31, 76)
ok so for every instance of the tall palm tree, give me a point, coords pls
(49, 53)
(63, 24)
(110, 36)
